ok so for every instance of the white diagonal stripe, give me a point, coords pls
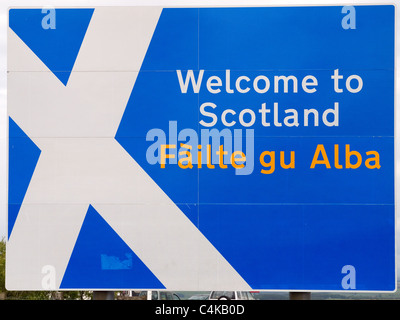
(81, 163)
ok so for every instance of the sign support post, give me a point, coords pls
(103, 295)
(299, 295)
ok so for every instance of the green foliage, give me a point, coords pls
(2, 265)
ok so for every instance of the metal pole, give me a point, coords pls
(103, 295)
(299, 295)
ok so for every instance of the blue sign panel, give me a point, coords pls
(312, 103)
(271, 129)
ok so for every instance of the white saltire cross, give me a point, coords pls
(81, 163)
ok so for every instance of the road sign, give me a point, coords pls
(201, 148)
